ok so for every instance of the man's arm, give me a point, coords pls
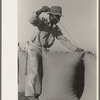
(67, 43)
(35, 19)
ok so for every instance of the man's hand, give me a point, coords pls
(45, 9)
(79, 50)
(89, 52)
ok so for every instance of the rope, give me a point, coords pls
(67, 33)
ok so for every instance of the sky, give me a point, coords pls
(79, 19)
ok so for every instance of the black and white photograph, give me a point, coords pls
(56, 50)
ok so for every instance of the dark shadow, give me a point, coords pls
(79, 79)
(38, 86)
(40, 69)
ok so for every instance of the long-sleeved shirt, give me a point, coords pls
(47, 33)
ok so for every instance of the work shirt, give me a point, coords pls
(47, 33)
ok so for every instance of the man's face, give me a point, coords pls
(54, 19)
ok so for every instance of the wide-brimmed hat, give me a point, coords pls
(55, 10)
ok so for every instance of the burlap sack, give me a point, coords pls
(61, 72)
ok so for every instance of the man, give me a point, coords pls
(44, 39)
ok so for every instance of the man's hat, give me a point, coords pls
(55, 10)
